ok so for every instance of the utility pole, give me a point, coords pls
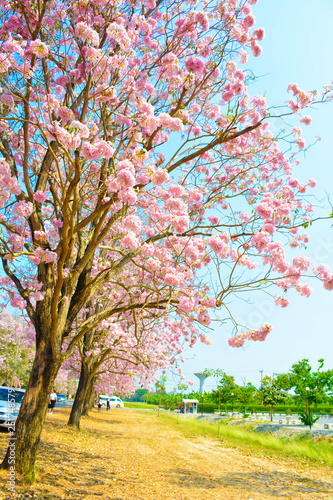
(261, 375)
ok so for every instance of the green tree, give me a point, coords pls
(139, 395)
(310, 386)
(271, 394)
(226, 390)
(245, 394)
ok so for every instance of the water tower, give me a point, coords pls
(202, 377)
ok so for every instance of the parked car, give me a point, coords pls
(115, 402)
(61, 398)
(10, 402)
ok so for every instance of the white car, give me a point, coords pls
(114, 401)
(10, 402)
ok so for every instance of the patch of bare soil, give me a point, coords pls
(132, 455)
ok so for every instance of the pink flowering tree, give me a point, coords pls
(65, 381)
(119, 353)
(17, 340)
(127, 137)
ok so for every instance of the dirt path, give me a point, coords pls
(131, 455)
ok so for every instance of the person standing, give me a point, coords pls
(108, 405)
(99, 405)
(53, 400)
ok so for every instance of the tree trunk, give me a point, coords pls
(81, 393)
(29, 424)
(271, 412)
(89, 398)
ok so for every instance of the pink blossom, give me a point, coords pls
(259, 33)
(172, 279)
(39, 48)
(128, 196)
(306, 120)
(57, 223)
(243, 56)
(130, 241)
(213, 219)
(237, 341)
(23, 208)
(248, 21)
(38, 296)
(87, 34)
(7, 99)
(231, 66)
(196, 130)
(202, 19)
(215, 243)
(300, 143)
(328, 284)
(40, 196)
(49, 256)
(194, 64)
(186, 304)
(304, 290)
(101, 149)
(204, 319)
(312, 182)
(18, 302)
(160, 176)
(282, 301)
(133, 223)
(4, 63)
(153, 265)
(256, 49)
(301, 263)
(16, 241)
(125, 179)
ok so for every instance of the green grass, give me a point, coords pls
(144, 406)
(242, 436)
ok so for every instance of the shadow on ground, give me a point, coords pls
(277, 484)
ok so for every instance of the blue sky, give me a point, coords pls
(297, 48)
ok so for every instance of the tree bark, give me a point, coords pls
(86, 378)
(30, 420)
(89, 398)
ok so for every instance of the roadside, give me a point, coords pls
(122, 455)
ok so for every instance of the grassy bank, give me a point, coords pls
(139, 406)
(320, 450)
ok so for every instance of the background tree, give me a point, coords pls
(245, 394)
(16, 350)
(226, 390)
(271, 394)
(310, 387)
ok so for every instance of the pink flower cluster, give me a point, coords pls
(87, 34)
(255, 335)
(40, 196)
(7, 99)
(195, 65)
(39, 48)
(303, 98)
(282, 301)
(23, 208)
(41, 255)
(8, 184)
(323, 273)
(101, 149)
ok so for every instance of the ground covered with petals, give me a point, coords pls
(133, 455)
